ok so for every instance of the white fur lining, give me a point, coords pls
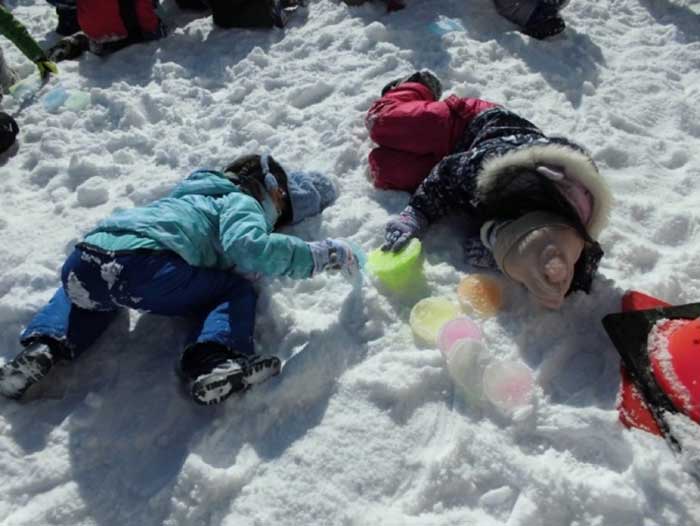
(575, 164)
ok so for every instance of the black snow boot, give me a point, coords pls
(67, 21)
(545, 22)
(26, 369)
(248, 13)
(424, 77)
(69, 48)
(394, 5)
(8, 131)
(192, 5)
(215, 373)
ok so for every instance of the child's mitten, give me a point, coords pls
(46, 68)
(333, 254)
(540, 251)
(401, 229)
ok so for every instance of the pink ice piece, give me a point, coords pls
(458, 329)
(508, 385)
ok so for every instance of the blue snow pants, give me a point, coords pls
(96, 284)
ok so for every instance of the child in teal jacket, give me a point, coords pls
(188, 254)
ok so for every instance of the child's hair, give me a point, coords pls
(248, 173)
(518, 191)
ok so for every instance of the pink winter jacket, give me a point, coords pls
(414, 132)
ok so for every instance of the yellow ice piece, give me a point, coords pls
(429, 315)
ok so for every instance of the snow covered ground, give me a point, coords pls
(363, 427)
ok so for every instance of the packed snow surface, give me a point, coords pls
(363, 427)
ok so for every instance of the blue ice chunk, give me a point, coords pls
(25, 88)
(77, 100)
(361, 255)
(446, 25)
(54, 99)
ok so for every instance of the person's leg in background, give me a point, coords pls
(7, 75)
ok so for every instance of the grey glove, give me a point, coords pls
(334, 254)
(401, 229)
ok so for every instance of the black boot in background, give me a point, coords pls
(545, 21)
(68, 48)
(424, 77)
(192, 5)
(8, 132)
(67, 21)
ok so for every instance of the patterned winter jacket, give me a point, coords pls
(497, 140)
(16, 33)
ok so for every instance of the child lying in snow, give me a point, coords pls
(14, 31)
(186, 255)
(539, 201)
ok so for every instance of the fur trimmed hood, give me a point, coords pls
(574, 163)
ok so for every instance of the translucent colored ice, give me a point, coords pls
(465, 364)
(446, 25)
(481, 294)
(457, 329)
(397, 270)
(508, 385)
(54, 99)
(429, 315)
(26, 88)
(77, 100)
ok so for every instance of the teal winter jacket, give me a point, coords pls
(209, 222)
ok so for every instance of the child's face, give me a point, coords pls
(544, 262)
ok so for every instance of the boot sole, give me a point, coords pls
(216, 387)
(261, 369)
(21, 373)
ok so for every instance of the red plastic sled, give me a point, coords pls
(660, 362)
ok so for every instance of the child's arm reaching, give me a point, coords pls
(251, 248)
(445, 190)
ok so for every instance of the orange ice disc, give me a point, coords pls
(480, 293)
